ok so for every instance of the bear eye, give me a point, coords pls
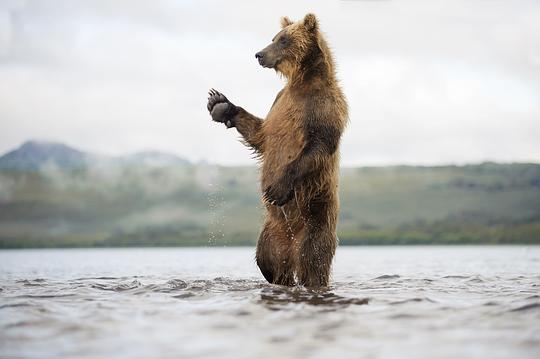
(283, 40)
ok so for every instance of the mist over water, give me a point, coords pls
(384, 302)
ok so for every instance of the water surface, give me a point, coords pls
(385, 302)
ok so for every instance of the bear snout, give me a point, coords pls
(260, 57)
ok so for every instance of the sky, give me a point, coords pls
(427, 82)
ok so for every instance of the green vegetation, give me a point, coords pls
(203, 205)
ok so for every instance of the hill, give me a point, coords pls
(40, 155)
(159, 200)
(33, 155)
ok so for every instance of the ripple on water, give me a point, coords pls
(44, 296)
(38, 282)
(387, 276)
(273, 296)
(526, 307)
(413, 300)
(117, 287)
(15, 305)
(455, 277)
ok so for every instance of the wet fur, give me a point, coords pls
(298, 146)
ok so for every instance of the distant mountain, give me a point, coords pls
(36, 155)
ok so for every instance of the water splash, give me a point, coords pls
(216, 204)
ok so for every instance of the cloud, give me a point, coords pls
(427, 82)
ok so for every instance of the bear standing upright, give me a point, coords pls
(298, 145)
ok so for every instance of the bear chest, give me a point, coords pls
(283, 135)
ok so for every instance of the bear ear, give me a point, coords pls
(285, 21)
(310, 22)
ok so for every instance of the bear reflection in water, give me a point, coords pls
(276, 297)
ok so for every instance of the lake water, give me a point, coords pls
(385, 302)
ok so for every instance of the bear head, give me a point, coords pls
(297, 44)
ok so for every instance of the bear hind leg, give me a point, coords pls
(315, 259)
(315, 250)
(273, 255)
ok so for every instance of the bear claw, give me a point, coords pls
(273, 196)
(214, 98)
(220, 108)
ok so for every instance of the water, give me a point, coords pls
(385, 302)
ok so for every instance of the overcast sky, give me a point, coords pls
(428, 82)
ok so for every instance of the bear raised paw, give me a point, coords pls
(221, 109)
(298, 147)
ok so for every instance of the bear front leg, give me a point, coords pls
(224, 111)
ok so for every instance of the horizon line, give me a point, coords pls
(206, 161)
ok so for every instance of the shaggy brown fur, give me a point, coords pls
(298, 145)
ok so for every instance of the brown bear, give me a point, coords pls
(298, 146)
